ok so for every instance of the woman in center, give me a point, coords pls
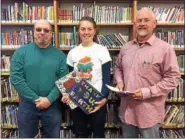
(93, 62)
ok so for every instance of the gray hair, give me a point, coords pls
(147, 10)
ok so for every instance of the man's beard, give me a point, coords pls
(142, 33)
(42, 42)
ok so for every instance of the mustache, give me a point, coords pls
(142, 28)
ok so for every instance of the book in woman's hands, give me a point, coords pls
(114, 89)
(66, 83)
(82, 93)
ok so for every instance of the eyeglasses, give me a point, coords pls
(44, 29)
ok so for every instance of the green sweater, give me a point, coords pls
(34, 71)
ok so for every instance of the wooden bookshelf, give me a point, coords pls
(19, 24)
(171, 24)
(179, 49)
(9, 126)
(11, 100)
(175, 102)
(112, 49)
(172, 127)
(98, 24)
(65, 49)
(16, 24)
(118, 49)
(5, 73)
(57, 25)
(8, 49)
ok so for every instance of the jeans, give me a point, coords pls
(29, 116)
(130, 131)
(96, 121)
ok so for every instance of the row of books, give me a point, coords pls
(22, 12)
(15, 133)
(174, 38)
(172, 133)
(5, 63)
(100, 13)
(69, 40)
(178, 94)
(108, 134)
(116, 40)
(8, 92)
(181, 62)
(9, 116)
(6, 133)
(174, 116)
(170, 15)
(112, 119)
(15, 39)
(112, 134)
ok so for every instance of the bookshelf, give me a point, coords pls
(126, 27)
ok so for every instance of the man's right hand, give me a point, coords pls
(65, 98)
(120, 86)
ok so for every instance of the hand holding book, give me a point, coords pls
(138, 95)
(65, 98)
(99, 104)
(78, 92)
(120, 85)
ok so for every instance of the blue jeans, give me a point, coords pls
(29, 116)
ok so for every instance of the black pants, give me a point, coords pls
(96, 121)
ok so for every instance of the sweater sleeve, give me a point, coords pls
(17, 77)
(55, 93)
(106, 78)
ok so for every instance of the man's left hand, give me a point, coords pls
(42, 102)
(99, 104)
(138, 95)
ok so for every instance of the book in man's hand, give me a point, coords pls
(114, 89)
(85, 95)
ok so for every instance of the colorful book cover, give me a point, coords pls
(85, 95)
(66, 83)
(82, 93)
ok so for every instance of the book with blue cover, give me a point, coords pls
(85, 95)
(82, 93)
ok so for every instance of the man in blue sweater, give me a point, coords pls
(34, 69)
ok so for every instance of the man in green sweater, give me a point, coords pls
(34, 69)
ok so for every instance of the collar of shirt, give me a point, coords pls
(150, 41)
